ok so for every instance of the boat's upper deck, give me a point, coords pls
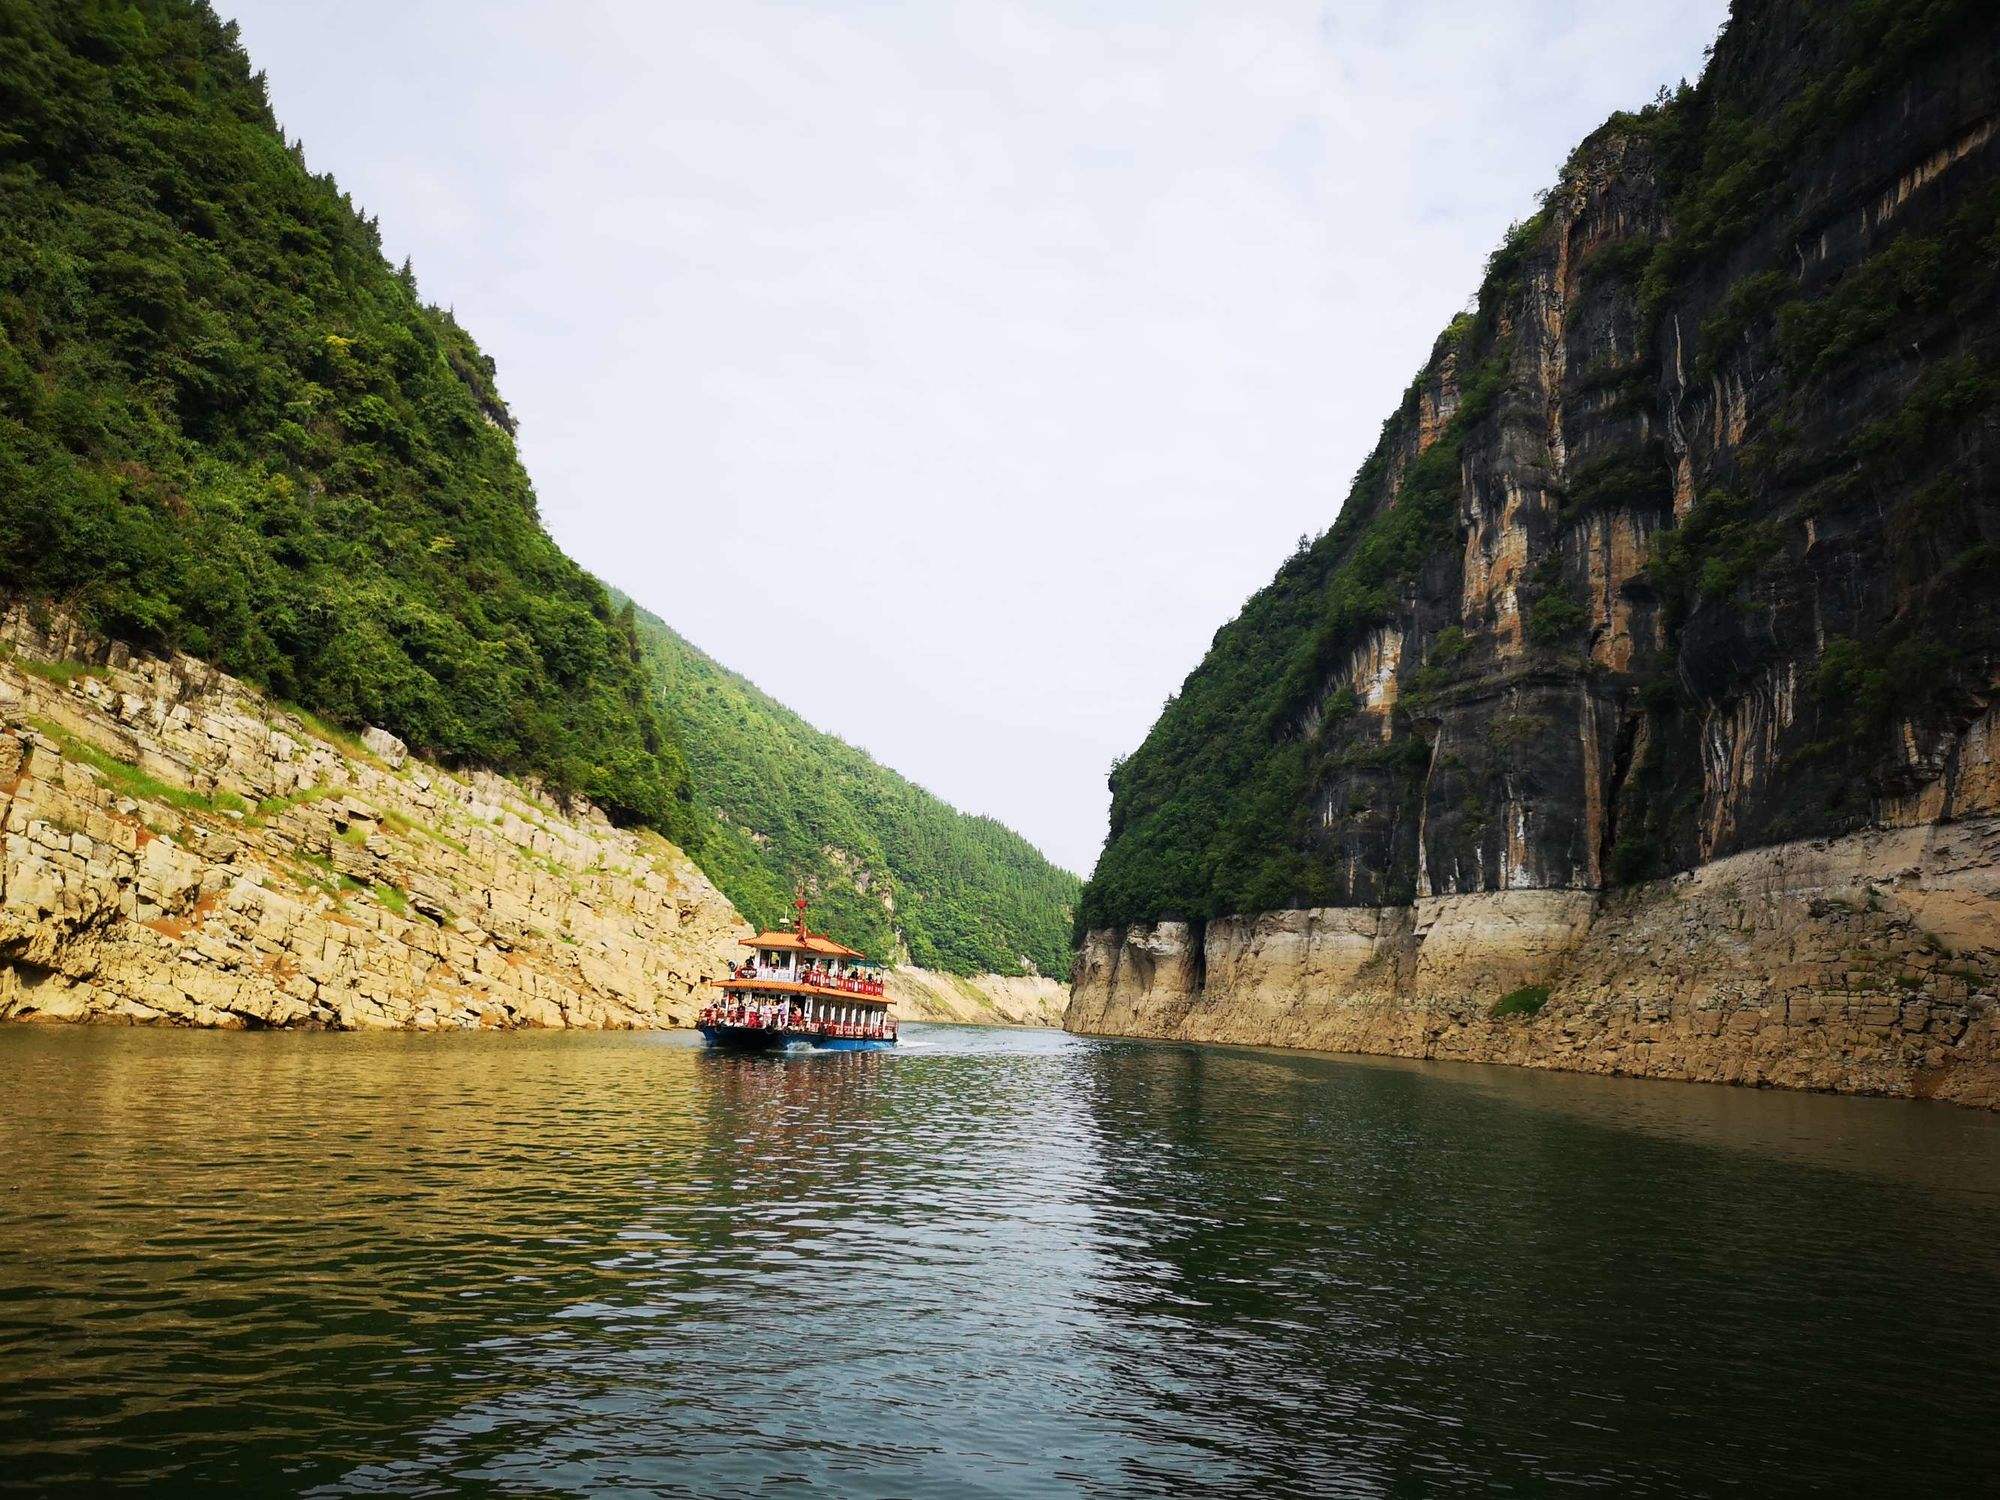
(871, 996)
(803, 962)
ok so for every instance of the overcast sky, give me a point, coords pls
(953, 371)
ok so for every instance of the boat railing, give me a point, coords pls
(847, 984)
(758, 1019)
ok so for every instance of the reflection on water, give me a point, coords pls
(990, 1263)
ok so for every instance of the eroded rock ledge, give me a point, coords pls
(977, 999)
(1864, 964)
(180, 850)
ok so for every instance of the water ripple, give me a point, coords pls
(989, 1264)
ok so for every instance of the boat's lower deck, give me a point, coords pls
(778, 1038)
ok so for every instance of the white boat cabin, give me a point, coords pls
(804, 982)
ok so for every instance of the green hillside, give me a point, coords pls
(888, 864)
(228, 425)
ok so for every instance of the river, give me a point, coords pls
(993, 1263)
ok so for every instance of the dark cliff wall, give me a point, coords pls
(1686, 541)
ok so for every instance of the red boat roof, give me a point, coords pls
(811, 942)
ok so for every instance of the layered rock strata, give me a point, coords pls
(977, 999)
(179, 850)
(1867, 964)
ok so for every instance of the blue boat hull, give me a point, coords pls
(768, 1039)
(751, 1038)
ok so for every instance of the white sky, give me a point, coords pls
(954, 370)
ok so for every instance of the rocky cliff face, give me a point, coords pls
(1681, 554)
(1868, 964)
(977, 999)
(180, 850)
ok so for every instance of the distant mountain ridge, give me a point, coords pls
(891, 868)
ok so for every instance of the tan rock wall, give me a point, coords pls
(976, 999)
(179, 850)
(1867, 964)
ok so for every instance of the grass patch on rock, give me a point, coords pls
(332, 734)
(272, 807)
(135, 781)
(1526, 1001)
(61, 673)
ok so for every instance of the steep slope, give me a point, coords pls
(180, 850)
(228, 426)
(1683, 547)
(891, 868)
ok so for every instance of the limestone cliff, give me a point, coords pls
(1868, 964)
(977, 999)
(180, 850)
(1654, 655)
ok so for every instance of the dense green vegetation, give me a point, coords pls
(1633, 480)
(1725, 148)
(890, 868)
(228, 425)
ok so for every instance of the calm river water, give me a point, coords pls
(994, 1263)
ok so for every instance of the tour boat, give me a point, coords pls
(800, 988)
